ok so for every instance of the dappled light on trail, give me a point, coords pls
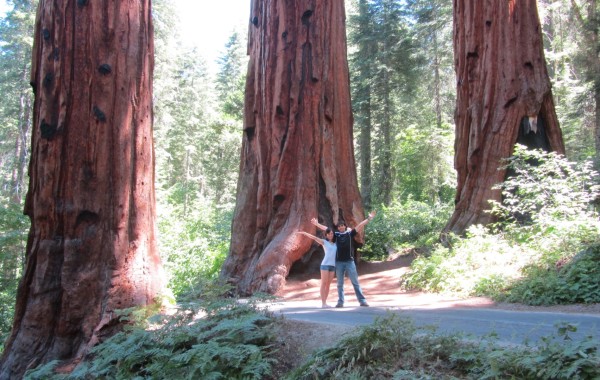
(381, 284)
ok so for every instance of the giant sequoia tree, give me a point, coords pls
(91, 247)
(503, 97)
(297, 156)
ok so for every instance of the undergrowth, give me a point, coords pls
(394, 348)
(216, 339)
(543, 250)
(411, 223)
(233, 340)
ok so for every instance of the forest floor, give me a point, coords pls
(381, 284)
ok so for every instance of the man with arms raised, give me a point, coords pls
(344, 262)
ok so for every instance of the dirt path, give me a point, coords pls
(380, 282)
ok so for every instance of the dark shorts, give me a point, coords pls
(329, 268)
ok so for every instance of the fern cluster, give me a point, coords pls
(224, 340)
(552, 357)
(394, 348)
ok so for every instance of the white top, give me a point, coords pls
(330, 251)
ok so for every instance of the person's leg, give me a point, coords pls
(327, 273)
(340, 269)
(329, 277)
(353, 276)
(324, 287)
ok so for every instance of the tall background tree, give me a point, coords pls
(504, 96)
(402, 99)
(361, 35)
(297, 153)
(198, 132)
(91, 248)
(587, 16)
(16, 36)
(16, 32)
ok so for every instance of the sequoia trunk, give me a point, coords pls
(91, 248)
(297, 154)
(503, 97)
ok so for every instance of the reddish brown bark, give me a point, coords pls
(91, 248)
(502, 82)
(297, 154)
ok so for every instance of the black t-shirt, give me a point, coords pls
(343, 240)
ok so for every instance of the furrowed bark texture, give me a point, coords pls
(503, 97)
(297, 154)
(91, 248)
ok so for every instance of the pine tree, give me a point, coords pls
(16, 31)
(385, 79)
(231, 77)
(362, 68)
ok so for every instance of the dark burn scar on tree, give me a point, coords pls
(87, 172)
(88, 217)
(48, 131)
(277, 201)
(249, 133)
(306, 15)
(104, 69)
(46, 34)
(48, 79)
(100, 116)
(82, 3)
(255, 21)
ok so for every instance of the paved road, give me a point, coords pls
(511, 327)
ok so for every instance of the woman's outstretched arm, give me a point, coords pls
(318, 240)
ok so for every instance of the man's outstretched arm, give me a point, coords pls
(369, 218)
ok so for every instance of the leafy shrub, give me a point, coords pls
(546, 218)
(411, 222)
(577, 281)
(194, 247)
(545, 191)
(475, 265)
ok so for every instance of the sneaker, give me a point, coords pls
(339, 305)
(365, 304)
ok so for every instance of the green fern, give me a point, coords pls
(231, 341)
